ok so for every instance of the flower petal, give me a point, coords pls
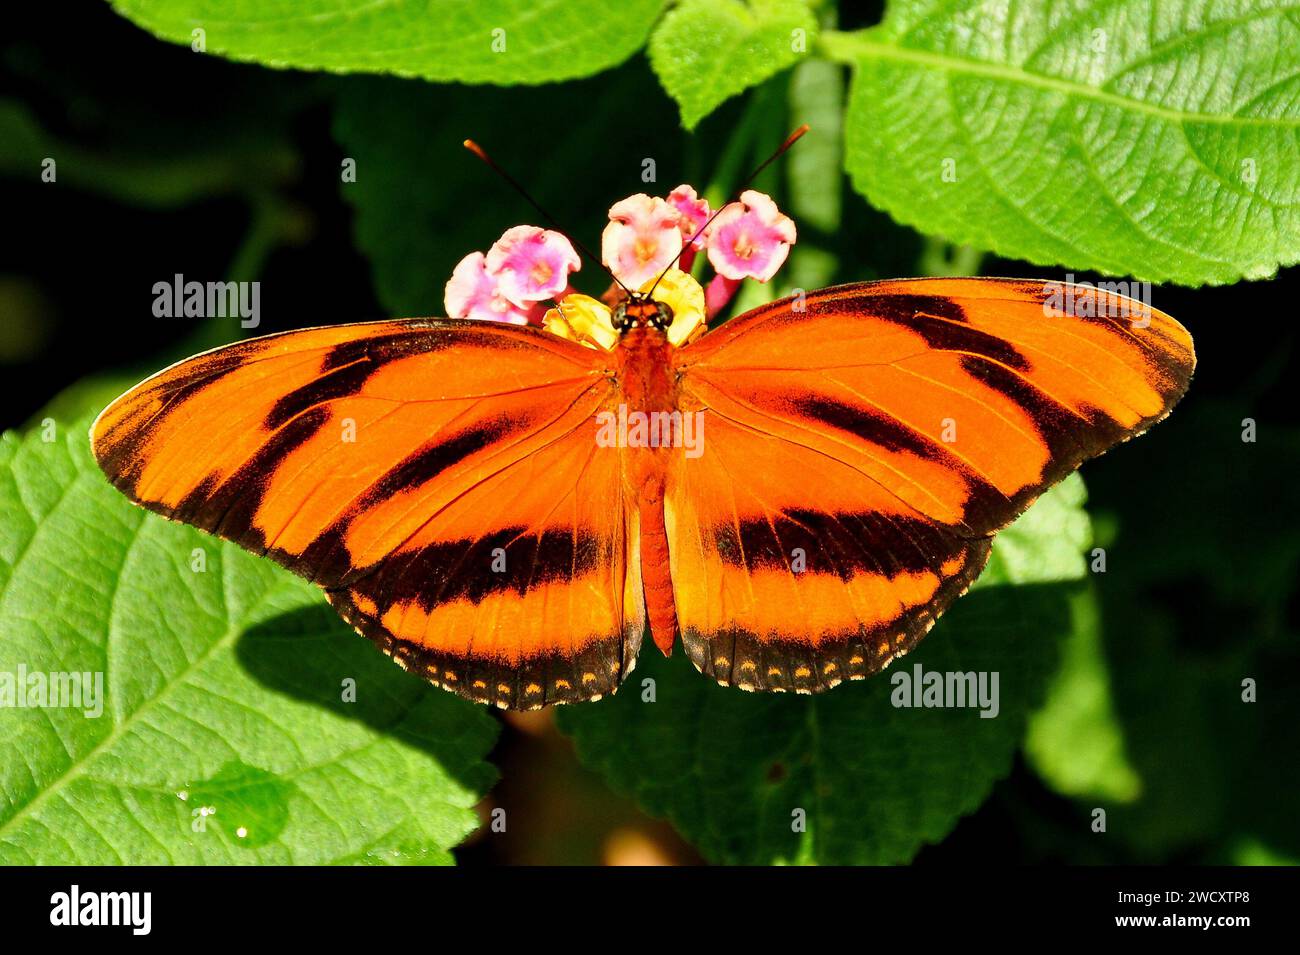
(692, 213)
(751, 238)
(584, 319)
(472, 293)
(684, 296)
(642, 238)
(532, 264)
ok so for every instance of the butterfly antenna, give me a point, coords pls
(478, 151)
(735, 196)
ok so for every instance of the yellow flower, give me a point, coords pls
(684, 296)
(583, 319)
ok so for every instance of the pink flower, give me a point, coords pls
(692, 213)
(750, 239)
(531, 264)
(473, 293)
(641, 240)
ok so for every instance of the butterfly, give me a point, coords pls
(444, 481)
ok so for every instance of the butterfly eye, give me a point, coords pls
(619, 316)
(663, 315)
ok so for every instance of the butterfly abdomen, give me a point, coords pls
(657, 580)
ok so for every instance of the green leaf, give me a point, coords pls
(1253, 852)
(814, 186)
(1186, 625)
(707, 51)
(731, 770)
(223, 680)
(472, 41)
(1111, 136)
(1239, 552)
(1211, 761)
(1075, 742)
(84, 398)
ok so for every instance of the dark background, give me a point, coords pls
(173, 162)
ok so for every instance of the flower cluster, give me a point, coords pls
(525, 267)
(528, 266)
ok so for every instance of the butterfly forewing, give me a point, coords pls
(863, 445)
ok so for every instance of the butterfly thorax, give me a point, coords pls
(647, 381)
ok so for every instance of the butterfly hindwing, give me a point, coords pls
(863, 444)
(436, 477)
(536, 610)
(792, 572)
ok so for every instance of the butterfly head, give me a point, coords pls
(641, 311)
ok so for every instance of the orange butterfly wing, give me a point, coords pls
(435, 476)
(860, 453)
